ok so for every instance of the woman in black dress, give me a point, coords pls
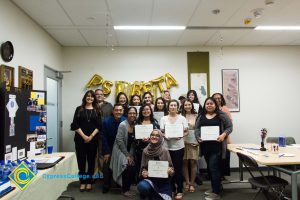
(86, 124)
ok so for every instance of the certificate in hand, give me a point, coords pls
(174, 130)
(158, 169)
(196, 106)
(190, 138)
(210, 132)
(143, 131)
(158, 115)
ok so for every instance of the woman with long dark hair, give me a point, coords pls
(86, 124)
(213, 150)
(191, 150)
(145, 117)
(160, 106)
(135, 100)
(123, 100)
(148, 99)
(193, 97)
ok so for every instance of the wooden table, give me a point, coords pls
(272, 160)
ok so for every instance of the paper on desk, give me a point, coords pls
(47, 160)
(286, 155)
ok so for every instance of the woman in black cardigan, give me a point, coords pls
(86, 124)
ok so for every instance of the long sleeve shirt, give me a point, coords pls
(109, 131)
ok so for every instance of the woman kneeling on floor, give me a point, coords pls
(155, 188)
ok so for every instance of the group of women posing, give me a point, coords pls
(130, 156)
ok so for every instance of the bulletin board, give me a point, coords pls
(20, 121)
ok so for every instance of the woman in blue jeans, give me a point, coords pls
(213, 149)
(155, 188)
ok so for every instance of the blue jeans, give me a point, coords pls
(146, 190)
(213, 161)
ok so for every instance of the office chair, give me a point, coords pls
(266, 184)
(288, 140)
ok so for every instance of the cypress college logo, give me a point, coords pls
(22, 176)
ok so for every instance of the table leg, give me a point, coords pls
(241, 170)
(294, 186)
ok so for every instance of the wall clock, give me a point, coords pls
(7, 51)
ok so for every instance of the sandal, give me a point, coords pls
(82, 187)
(192, 189)
(187, 187)
(88, 187)
(178, 196)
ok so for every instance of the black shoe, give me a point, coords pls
(105, 190)
(198, 181)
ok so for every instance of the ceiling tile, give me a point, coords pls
(282, 38)
(204, 17)
(132, 38)
(195, 37)
(173, 12)
(255, 37)
(130, 12)
(44, 12)
(87, 12)
(99, 37)
(164, 38)
(226, 37)
(67, 37)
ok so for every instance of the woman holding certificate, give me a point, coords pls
(175, 127)
(212, 127)
(144, 126)
(191, 150)
(193, 97)
(122, 161)
(160, 106)
(156, 167)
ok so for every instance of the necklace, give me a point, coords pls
(88, 116)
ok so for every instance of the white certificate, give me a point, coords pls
(158, 115)
(158, 169)
(143, 131)
(196, 106)
(190, 138)
(174, 130)
(210, 132)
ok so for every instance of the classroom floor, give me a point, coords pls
(236, 191)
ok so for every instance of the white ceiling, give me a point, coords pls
(89, 22)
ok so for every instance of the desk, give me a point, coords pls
(41, 188)
(272, 160)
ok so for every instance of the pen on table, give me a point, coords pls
(281, 155)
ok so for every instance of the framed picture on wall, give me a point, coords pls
(25, 78)
(230, 86)
(7, 74)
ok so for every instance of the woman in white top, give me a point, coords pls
(175, 145)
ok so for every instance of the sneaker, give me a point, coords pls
(128, 194)
(208, 192)
(213, 196)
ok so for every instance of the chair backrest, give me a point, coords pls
(288, 140)
(247, 160)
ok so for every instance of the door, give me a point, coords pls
(53, 84)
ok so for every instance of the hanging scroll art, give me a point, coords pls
(137, 87)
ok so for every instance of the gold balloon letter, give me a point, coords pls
(170, 81)
(136, 88)
(95, 81)
(106, 87)
(158, 81)
(147, 87)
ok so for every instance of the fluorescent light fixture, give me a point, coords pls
(149, 28)
(278, 28)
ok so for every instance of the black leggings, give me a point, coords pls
(177, 160)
